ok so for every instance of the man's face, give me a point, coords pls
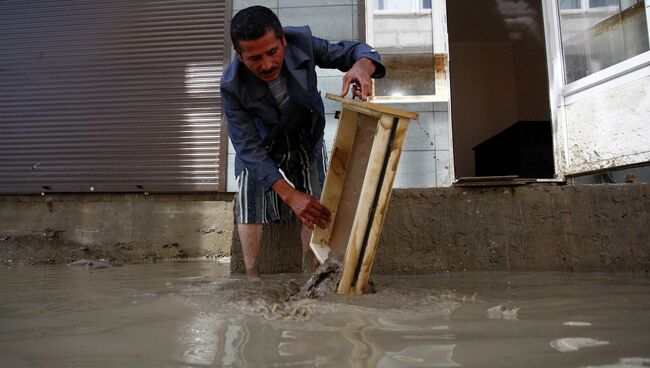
(263, 56)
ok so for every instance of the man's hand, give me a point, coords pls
(359, 77)
(307, 208)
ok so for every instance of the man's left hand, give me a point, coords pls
(359, 77)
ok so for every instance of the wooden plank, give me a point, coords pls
(490, 181)
(381, 206)
(334, 181)
(368, 190)
(353, 185)
(372, 107)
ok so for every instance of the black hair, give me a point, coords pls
(252, 23)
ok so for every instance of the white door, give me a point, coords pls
(599, 71)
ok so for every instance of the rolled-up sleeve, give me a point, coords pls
(247, 142)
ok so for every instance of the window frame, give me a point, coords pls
(594, 82)
(443, 95)
(416, 8)
(585, 6)
(562, 94)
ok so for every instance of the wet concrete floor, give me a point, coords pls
(195, 315)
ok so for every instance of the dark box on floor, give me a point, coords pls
(524, 149)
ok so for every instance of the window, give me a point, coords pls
(407, 75)
(603, 3)
(601, 33)
(597, 5)
(403, 32)
(570, 4)
(403, 5)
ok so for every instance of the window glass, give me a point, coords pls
(407, 75)
(603, 3)
(395, 5)
(405, 41)
(569, 4)
(403, 5)
(603, 35)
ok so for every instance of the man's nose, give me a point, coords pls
(267, 63)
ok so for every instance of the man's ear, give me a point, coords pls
(284, 40)
(239, 56)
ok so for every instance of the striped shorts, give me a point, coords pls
(254, 205)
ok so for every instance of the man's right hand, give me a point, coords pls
(359, 78)
(307, 208)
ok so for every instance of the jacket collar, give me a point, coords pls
(294, 60)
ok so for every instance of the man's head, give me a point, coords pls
(257, 36)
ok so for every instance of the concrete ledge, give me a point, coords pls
(125, 227)
(537, 227)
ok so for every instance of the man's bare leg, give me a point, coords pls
(309, 261)
(251, 240)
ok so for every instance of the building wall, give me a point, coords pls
(399, 32)
(608, 129)
(123, 227)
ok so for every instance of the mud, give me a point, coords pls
(49, 247)
(196, 315)
(324, 281)
(288, 301)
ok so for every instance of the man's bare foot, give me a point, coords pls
(253, 274)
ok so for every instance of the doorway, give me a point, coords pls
(501, 120)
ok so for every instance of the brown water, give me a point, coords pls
(195, 315)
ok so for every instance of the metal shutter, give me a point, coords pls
(111, 96)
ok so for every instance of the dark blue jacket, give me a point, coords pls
(252, 112)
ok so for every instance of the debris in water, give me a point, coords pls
(283, 311)
(324, 281)
(501, 312)
(577, 324)
(627, 363)
(289, 301)
(93, 264)
(569, 344)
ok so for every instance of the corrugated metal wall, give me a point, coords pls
(111, 96)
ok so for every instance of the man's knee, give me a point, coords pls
(250, 232)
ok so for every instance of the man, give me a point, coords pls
(276, 121)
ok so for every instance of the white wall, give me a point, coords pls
(403, 32)
(610, 128)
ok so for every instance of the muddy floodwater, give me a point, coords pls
(196, 315)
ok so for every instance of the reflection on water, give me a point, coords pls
(194, 315)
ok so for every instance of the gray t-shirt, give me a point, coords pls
(280, 91)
